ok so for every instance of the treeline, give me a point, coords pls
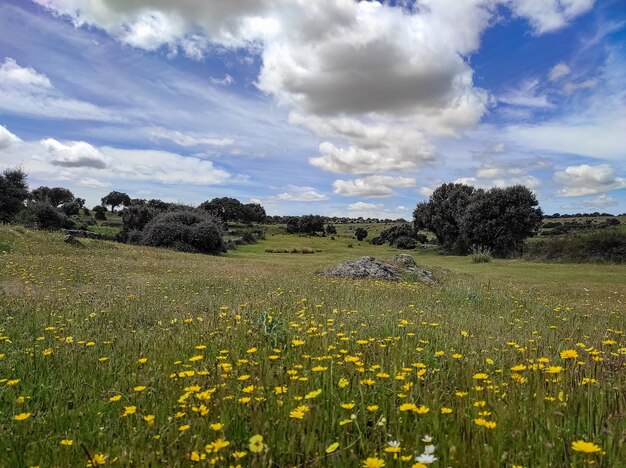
(595, 214)
(336, 220)
(146, 222)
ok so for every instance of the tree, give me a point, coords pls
(331, 229)
(116, 199)
(501, 219)
(442, 216)
(100, 212)
(225, 208)
(392, 234)
(13, 193)
(253, 213)
(360, 234)
(55, 196)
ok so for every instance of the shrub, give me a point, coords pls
(42, 215)
(481, 255)
(13, 193)
(188, 231)
(393, 233)
(404, 242)
(607, 245)
(71, 208)
(360, 234)
(100, 212)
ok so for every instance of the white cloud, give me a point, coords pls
(73, 154)
(94, 183)
(7, 138)
(372, 186)
(549, 15)
(426, 191)
(375, 210)
(346, 69)
(570, 87)
(227, 80)
(25, 91)
(187, 139)
(583, 180)
(526, 95)
(558, 71)
(295, 193)
(601, 201)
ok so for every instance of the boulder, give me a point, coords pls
(369, 267)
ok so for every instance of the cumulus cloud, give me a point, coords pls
(27, 92)
(187, 139)
(367, 66)
(375, 210)
(73, 154)
(7, 138)
(295, 193)
(576, 181)
(372, 186)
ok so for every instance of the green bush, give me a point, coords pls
(601, 246)
(186, 230)
(481, 255)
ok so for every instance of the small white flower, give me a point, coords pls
(429, 449)
(426, 458)
(393, 443)
(428, 439)
(353, 416)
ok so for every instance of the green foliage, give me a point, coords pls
(481, 255)
(307, 224)
(55, 196)
(13, 193)
(499, 219)
(607, 245)
(360, 234)
(115, 198)
(100, 212)
(42, 215)
(404, 242)
(392, 234)
(188, 231)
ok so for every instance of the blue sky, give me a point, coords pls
(331, 107)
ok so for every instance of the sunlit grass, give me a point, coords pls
(139, 355)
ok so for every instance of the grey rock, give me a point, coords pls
(369, 267)
(70, 239)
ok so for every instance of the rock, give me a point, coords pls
(369, 267)
(70, 239)
(405, 260)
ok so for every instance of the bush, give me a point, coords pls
(100, 212)
(392, 234)
(71, 208)
(481, 255)
(605, 246)
(42, 215)
(360, 234)
(404, 242)
(13, 193)
(188, 231)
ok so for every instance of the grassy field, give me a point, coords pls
(122, 355)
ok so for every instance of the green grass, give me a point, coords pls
(64, 310)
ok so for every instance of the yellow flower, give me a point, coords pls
(372, 408)
(128, 410)
(97, 459)
(149, 418)
(332, 447)
(297, 342)
(115, 398)
(347, 406)
(313, 394)
(217, 426)
(251, 351)
(481, 376)
(372, 462)
(139, 388)
(553, 369)
(196, 358)
(256, 443)
(445, 410)
(67, 442)
(408, 407)
(184, 427)
(585, 447)
(343, 383)
(421, 409)
(569, 354)
(196, 456)
(457, 356)
(142, 360)
(21, 416)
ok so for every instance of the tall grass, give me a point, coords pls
(600, 246)
(203, 353)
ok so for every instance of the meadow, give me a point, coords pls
(121, 355)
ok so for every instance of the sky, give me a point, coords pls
(333, 107)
